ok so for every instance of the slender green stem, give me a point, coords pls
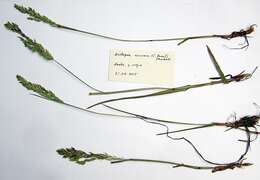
(234, 34)
(71, 73)
(211, 125)
(182, 39)
(198, 127)
(164, 162)
(241, 33)
(86, 110)
(127, 91)
(188, 129)
(164, 92)
(153, 119)
(198, 37)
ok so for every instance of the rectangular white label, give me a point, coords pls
(142, 66)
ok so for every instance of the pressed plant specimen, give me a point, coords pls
(35, 16)
(81, 157)
(34, 46)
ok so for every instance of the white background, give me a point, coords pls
(32, 129)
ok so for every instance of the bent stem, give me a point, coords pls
(142, 117)
(35, 16)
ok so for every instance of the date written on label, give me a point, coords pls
(142, 66)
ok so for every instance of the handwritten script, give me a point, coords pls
(142, 66)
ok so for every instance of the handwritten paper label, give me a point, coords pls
(142, 66)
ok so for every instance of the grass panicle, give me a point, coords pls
(37, 88)
(32, 45)
(33, 15)
(11, 26)
(81, 157)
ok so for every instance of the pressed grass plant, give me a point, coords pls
(36, 16)
(80, 157)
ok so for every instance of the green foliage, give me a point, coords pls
(81, 157)
(38, 89)
(33, 15)
(33, 45)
